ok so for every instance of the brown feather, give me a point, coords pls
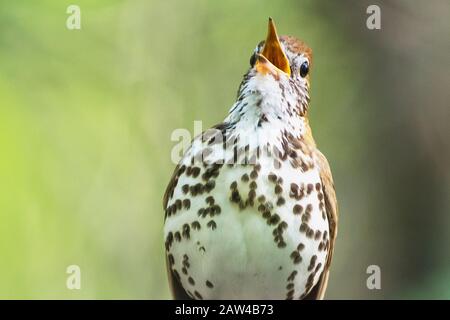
(318, 292)
(297, 46)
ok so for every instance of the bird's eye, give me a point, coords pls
(304, 69)
(253, 59)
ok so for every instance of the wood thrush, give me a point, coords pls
(251, 211)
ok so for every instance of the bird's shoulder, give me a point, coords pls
(196, 152)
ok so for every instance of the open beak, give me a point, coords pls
(273, 54)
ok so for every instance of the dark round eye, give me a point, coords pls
(304, 69)
(253, 59)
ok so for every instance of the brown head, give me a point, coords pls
(279, 75)
(286, 53)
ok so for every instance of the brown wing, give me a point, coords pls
(175, 286)
(318, 291)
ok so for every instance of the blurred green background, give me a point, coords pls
(86, 118)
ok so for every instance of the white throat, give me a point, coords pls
(265, 112)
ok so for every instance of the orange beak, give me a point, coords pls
(273, 53)
(264, 66)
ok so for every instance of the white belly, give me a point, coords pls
(237, 256)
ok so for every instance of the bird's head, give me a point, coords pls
(279, 73)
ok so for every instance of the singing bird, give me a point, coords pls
(251, 210)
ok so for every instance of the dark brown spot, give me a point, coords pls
(169, 240)
(281, 244)
(306, 217)
(274, 219)
(272, 177)
(186, 231)
(235, 196)
(281, 201)
(206, 212)
(317, 235)
(212, 224)
(292, 276)
(290, 295)
(195, 172)
(297, 209)
(321, 246)
(215, 210)
(245, 177)
(179, 204)
(296, 257)
(196, 189)
(195, 225)
(187, 203)
(303, 227)
(181, 170)
(209, 284)
(310, 281)
(294, 187)
(185, 188)
(319, 265)
(174, 208)
(169, 211)
(283, 225)
(210, 185)
(278, 189)
(171, 259)
(209, 200)
(312, 262)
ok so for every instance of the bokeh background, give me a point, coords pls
(86, 118)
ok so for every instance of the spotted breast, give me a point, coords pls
(248, 230)
(250, 211)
